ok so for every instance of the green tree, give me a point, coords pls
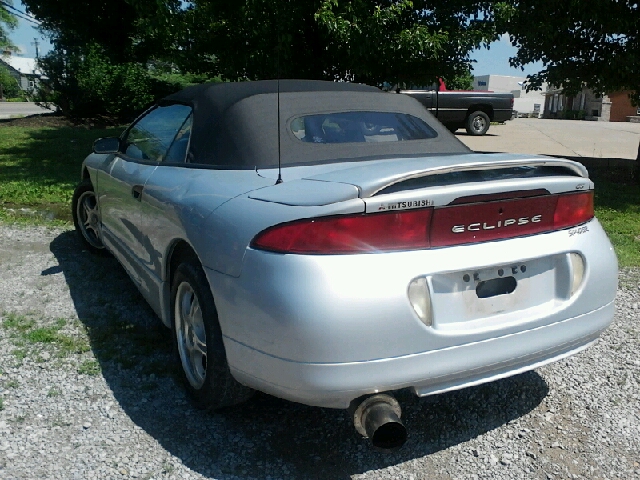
(368, 41)
(579, 43)
(10, 87)
(463, 81)
(126, 30)
(8, 22)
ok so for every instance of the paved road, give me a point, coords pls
(572, 138)
(13, 109)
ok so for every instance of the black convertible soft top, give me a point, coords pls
(235, 125)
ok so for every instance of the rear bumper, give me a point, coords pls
(502, 115)
(335, 385)
(323, 330)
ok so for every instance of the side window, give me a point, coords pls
(178, 150)
(152, 135)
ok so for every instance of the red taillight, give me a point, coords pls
(426, 228)
(406, 230)
(573, 210)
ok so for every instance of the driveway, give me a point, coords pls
(87, 392)
(570, 138)
(18, 109)
(87, 384)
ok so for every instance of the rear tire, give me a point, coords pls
(477, 123)
(198, 342)
(86, 217)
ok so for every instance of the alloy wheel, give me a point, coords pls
(88, 219)
(191, 335)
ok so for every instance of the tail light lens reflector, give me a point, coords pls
(573, 209)
(387, 231)
(577, 272)
(420, 299)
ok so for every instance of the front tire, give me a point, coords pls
(86, 217)
(477, 123)
(198, 342)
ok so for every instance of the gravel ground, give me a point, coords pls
(88, 390)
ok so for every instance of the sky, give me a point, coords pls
(495, 60)
(25, 34)
(492, 61)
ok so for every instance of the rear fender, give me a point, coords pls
(223, 238)
(488, 109)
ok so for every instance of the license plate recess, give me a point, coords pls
(492, 296)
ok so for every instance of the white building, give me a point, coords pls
(525, 103)
(24, 70)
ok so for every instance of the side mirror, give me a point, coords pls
(106, 145)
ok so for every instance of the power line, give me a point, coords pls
(20, 14)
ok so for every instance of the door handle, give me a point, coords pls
(136, 191)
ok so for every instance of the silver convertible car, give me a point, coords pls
(329, 244)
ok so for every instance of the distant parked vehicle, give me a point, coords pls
(473, 110)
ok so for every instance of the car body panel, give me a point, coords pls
(305, 193)
(117, 202)
(230, 229)
(335, 385)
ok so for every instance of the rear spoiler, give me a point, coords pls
(376, 176)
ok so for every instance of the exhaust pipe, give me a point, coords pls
(378, 418)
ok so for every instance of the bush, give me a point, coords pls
(10, 86)
(574, 114)
(87, 84)
(165, 83)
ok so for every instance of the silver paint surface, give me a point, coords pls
(325, 329)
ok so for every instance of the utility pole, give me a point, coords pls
(36, 43)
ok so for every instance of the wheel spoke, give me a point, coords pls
(194, 312)
(91, 229)
(197, 365)
(185, 307)
(200, 345)
(87, 208)
(186, 335)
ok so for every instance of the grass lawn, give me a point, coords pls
(618, 209)
(40, 166)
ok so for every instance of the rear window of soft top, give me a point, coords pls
(359, 127)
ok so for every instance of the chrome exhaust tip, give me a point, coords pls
(378, 418)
